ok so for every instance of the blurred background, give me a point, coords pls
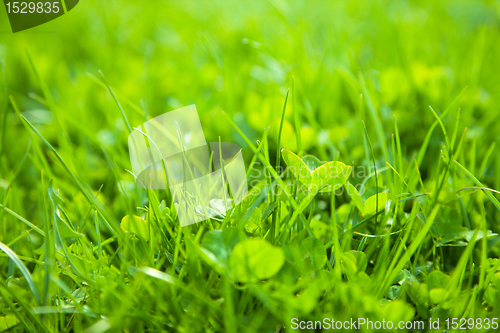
(240, 57)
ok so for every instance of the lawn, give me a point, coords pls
(368, 131)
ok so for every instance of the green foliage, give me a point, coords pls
(397, 223)
(375, 203)
(313, 254)
(136, 226)
(317, 177)
(220, 243)
(255, 259)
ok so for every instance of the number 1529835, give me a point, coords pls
(32, 7)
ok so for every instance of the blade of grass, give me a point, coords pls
(478, 183)
(376, 119)
(374, 166)
(485, 160)
(39, 153)
(3, 107)
(22, 219)
(278, 151)
(24, 271)
(394, 272)
(90, 199)
(275, 218)
(17, 312)
(296, 119)
(125, 120)
(17, 171)
(398, 149)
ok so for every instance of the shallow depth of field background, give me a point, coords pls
(240, 57)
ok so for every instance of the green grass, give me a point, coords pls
(390, 212)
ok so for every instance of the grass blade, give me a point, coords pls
(24, 271)
(478, 183)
